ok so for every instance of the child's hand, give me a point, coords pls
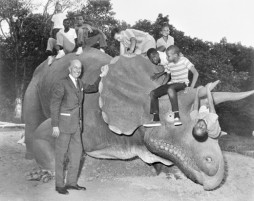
(155, 76)
(187, 89)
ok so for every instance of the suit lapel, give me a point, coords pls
(73, 85)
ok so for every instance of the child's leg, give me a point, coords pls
(154, 95)
(94, 39)
(81, 37)
(172, 93)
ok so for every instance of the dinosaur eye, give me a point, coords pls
(209, 159)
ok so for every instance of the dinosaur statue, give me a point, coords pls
(113, 118)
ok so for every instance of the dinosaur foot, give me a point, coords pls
(40, 175)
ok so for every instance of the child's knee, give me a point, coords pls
(152, 94)
(171, 91)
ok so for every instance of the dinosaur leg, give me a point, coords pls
(44, 146)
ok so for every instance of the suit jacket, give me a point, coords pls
(67, 104)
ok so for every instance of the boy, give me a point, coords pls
(65, 42)
(57, 20)
(133, 41)
(166, 40)
(206, 118)
(82, 31)
(178, 67)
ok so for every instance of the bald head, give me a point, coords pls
(75, 68)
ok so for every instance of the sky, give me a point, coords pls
(209, 20)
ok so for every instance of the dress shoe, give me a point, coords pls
(62, 190)
(77, 187)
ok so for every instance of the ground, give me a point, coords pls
(126, 180)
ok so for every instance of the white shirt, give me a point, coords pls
(74, 80)
(166, 44)
(163, 58)
(70, 35)
(57, 19)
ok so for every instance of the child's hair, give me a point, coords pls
(174, 48)
(151, 51)
(66, 19)
(198, 134)
(165, 25)
(58, 4)
(114, 32)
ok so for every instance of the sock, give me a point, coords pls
(156, 117)
(49, 53)
(176, 114)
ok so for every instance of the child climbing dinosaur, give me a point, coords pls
(178, 67)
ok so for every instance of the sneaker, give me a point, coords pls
(60, 54)
(50, 60)
(152, 124)
(79, 51)
(102, 50)
(177, 122)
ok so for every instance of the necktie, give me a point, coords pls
(77, 84)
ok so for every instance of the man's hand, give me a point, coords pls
(56, 132)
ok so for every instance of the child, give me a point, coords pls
(166, 40)
(133, 41)
(206, 118)
(160, 59)
(66, 40)
(57, 20)
(178, 67)
(82, 31)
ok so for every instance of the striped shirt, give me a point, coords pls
(179, 71)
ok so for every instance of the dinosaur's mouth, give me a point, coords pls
(179, 157)
(173, 153)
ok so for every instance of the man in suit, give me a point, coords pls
(66, 120)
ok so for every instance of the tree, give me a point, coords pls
(22, 48)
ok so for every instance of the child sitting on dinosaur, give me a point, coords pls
(178, 67)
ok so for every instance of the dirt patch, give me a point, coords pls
(120, 180)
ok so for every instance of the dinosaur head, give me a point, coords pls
(124, 100)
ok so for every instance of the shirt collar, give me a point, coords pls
(73, 79)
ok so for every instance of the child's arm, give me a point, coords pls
(195, 76)
(166, 79)
(87, 26)
(133, 45)
(196, 101)
(195, 108)
(122, 49)
(161, 48)
(156, 76)
(210, 99)
(51, 26)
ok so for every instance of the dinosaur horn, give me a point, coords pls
(220, 97)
